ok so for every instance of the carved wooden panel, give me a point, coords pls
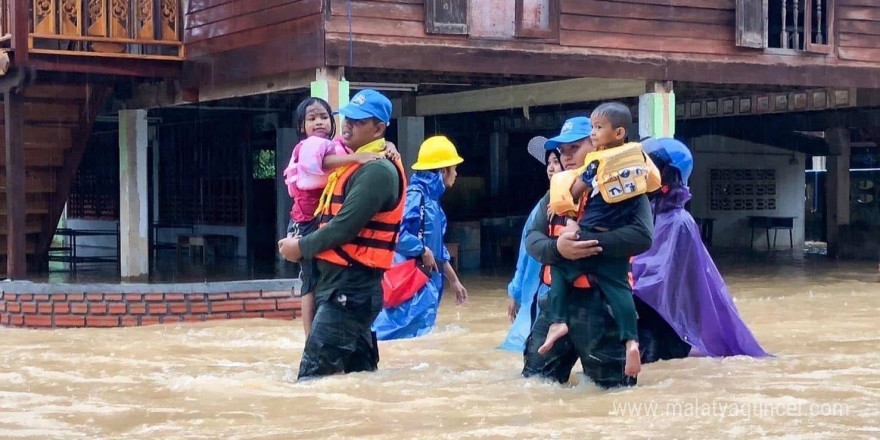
(44, 17)
(70, 17)
(146, 28)
(169, 20)
(97, 18)
(119, 22)
(108, 18)
(144, 19)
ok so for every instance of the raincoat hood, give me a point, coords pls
(429, 183)
(673, 199)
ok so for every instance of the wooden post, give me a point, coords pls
(16, 207)
(836, 188)
(657, 110)
(19, 22)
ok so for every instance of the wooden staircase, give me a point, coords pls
(57, 123)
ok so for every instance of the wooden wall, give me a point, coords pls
(687, 40)
(643, 25)
(403, 21)
(695, 26)
(381, 18)
(858, 24)
(243, 39)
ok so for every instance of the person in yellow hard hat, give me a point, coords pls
(421, 237)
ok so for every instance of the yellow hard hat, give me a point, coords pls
(435, 153)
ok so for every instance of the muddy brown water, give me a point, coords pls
(236, 379)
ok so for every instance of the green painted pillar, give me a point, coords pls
(657, 110)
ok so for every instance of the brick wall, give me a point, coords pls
(60, 310)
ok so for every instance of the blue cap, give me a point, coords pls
(573, 130)
(670, 152)
(366, 104)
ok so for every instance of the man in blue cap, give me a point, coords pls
(593, 334)
(361, 210)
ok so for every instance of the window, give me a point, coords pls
(801, 25)
(202, 172)
(446, 17)
(742, 189)
(537, 19)
(95, 191)
(264, 164)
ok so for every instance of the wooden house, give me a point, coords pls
(799, 75)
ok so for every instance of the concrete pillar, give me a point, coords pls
(657, 111)
(498, 143)
(133, 195)
(285, 140)
(410, 135)
(837, 187)
(842, 140)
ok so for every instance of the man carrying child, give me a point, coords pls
(574, 321)
(354, 245)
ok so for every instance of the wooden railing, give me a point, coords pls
(804, 24)
(146, 29)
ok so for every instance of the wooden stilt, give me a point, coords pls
(16, 262)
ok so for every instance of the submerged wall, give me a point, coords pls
(40, 305)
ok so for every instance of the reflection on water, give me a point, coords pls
(235, 379)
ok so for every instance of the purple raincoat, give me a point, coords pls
(679, 280)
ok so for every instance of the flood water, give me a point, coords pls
(236, 379)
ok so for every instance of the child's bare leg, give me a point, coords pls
(633, 359)
(308, 312)
(560, 280)
(556, 332)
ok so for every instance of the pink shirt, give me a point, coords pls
(306, 177)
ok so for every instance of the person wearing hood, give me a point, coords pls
(435, 172)
(681, 299)
(526, 285)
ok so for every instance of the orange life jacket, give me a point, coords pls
(374, 245)
(556, 224)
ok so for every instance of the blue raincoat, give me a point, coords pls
(416, 317)
(524, 288)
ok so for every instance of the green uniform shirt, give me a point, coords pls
(373, 188)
